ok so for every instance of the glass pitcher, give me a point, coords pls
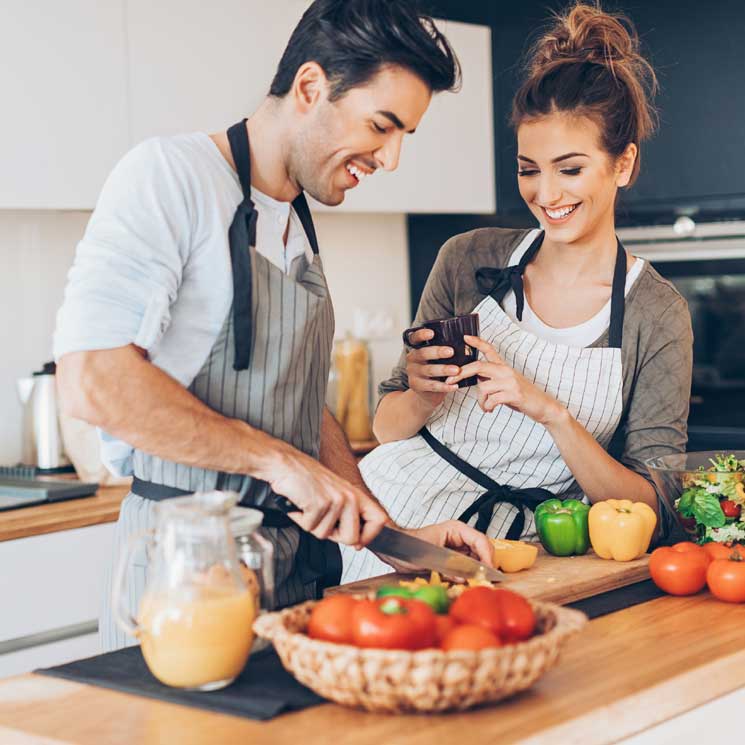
(196, 614)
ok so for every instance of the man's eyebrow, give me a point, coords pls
(395, 120)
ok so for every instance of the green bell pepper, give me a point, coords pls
(562, 526)
(435, 596)
(393, 591)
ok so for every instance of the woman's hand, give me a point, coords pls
(450, 534)
(422, 376)
(499, 385)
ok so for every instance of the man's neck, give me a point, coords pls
(267, 141)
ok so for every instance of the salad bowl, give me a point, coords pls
(705, 492)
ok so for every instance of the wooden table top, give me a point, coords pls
(103, 507)
(626, 672)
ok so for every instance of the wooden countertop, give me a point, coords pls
(103, 507)
(626, 672)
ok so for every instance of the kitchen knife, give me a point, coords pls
(399, 545)
(404, 547)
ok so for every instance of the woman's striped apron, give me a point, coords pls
(420, 487)
(268, 367)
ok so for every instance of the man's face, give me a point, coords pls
(340, 143)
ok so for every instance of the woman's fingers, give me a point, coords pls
(429, 353)
(488, 370)
(485, 348)
(432, 371)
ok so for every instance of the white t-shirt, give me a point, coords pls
(581, 335)
(153, 268)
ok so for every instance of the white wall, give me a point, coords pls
(364, 256)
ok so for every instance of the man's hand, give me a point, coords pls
(329, 506)
(449, 534)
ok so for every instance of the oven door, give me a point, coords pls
(715, 291)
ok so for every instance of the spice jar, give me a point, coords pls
(255, 555)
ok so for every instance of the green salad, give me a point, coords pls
(712, 501)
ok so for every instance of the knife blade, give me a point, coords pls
(398, 545)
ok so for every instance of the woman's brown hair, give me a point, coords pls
(588, 63)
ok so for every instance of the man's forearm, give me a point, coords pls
(336, 454)
(134, 400)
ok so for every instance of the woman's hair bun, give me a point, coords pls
(588, 62)
(586, 33)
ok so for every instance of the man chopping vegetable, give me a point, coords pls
(197, 324)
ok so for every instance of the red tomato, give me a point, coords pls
(726, 579)
(468, 636)
(679, 569)
(331, 619)
(479, 606)
(688, 546)
(720, 551)
(443, 626)
(730, 508)
(503, 612)
(393, 623)
(518, 619)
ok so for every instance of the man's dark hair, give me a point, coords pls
(353, 39)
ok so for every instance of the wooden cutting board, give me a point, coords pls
(558, 579)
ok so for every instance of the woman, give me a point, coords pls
(579, 340)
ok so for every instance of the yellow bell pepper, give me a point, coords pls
(513, 556)
(621, 529)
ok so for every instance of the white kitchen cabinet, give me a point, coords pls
(64, 113)
(52, 586)
(195, 67)
(447, 165)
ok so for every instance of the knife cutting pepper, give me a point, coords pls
(563, 526)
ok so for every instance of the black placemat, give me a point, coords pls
(262, 691)
(623, 597)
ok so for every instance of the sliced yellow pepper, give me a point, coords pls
(621, 529)
(513, 556)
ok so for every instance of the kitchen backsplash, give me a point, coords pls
(365, 257)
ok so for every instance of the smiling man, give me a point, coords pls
(196, 328)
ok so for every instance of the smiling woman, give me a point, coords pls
(585, 365)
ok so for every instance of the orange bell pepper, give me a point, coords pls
(621, 529)
(513, 556)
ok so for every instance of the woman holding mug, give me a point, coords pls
(579, 340)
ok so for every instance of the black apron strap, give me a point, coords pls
(498, 282)
(300, 205)
(242, 236)
(483, 507)
(618, 299)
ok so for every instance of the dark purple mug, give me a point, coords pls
(449, 332)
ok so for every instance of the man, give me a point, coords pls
(197, 325)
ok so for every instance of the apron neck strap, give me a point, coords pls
(239, 147)
(300, 205)
(618, 298)
(238, 139)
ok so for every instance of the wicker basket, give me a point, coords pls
(397, 681)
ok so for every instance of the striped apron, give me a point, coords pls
(268, 367)
(491, 469)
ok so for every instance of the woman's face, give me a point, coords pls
(565, 177)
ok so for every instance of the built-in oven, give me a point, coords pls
(707, 265)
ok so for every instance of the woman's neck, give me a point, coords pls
(591, 258)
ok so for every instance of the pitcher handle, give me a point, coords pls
(122, 616)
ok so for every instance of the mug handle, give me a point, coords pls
(122, 616)
(408, 343)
